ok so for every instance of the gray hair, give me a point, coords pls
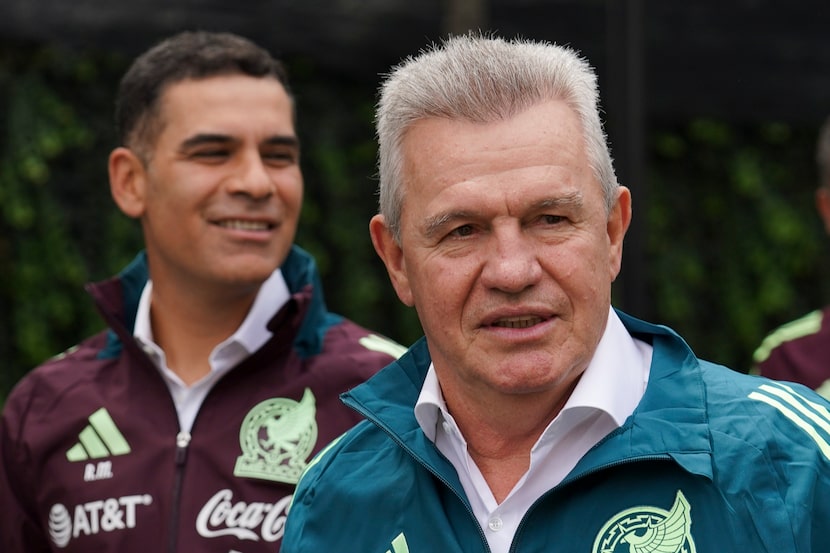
(823, 154)
(484, 79)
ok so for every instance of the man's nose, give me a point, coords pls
(252, 178)
(512, 262)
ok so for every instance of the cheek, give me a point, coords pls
(297, 198)
(290, 188)
(595, 257)
(581, 272)
(165, 205)
(447, 291)
(173, 191)
(591, 280)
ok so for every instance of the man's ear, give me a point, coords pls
(618, 222)
(127, 181)
(392, 255)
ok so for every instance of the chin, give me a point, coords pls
(533, 381)
(246, 275)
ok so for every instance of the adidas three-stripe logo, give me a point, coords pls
(811, 417)
(101, 438)
(399, 545)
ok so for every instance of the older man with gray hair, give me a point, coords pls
(533, 416)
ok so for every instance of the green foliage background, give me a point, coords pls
(734, 246)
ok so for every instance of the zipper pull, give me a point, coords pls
(182, 441)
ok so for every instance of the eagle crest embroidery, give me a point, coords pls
(648, 530)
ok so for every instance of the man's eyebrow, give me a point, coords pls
(216, 138)
(206, 138)
(282, 140)
(570, 200)
(433, 225)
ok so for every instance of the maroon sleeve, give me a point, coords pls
(20, 531)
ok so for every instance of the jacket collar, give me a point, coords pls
(304, 317)
(669, 422)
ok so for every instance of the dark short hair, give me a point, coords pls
(187, 55)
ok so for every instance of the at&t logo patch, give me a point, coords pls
(106, 515)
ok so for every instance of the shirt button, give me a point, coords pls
(495, 524)
(447, 428)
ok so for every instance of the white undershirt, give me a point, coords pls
(249, 337)
(606, 394)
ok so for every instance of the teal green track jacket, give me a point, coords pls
(712, 460)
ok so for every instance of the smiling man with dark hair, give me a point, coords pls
(187, 423)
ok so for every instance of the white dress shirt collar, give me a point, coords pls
(607, 393)
(248, 338)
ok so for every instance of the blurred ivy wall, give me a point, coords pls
(733, 243)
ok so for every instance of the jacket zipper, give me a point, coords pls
(656, 457)
(359, 408)
(182, 443)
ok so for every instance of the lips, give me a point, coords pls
(239, 224)
(518, 322)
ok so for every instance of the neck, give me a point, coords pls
(501, 433)
(188, 326)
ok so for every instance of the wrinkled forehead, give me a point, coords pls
(545, 134)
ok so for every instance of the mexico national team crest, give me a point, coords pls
(648, 530)
(277, 437)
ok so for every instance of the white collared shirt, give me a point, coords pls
(606, 394)
(249, 337)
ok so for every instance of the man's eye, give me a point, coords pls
(279, 157)
(211, 154)
(462, 231)
(552, 219)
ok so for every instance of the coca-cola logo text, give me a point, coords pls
(247, 521)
